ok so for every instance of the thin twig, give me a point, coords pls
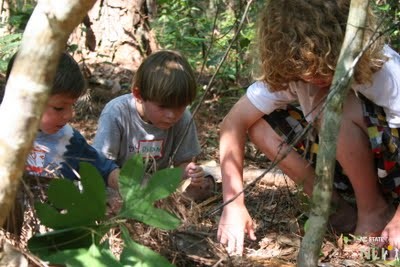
(210, 45)
(212, 79)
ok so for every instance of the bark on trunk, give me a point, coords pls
(352, 46)
(27, 90)
(122, 32)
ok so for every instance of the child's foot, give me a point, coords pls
(344, 218)
(373, 223)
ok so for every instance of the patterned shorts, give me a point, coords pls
(384, 141)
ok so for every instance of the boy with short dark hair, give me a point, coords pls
(58, 148)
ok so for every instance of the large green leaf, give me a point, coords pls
(84, 257)
(47, 244)
(137, 255)
(94, 189)
(71, 208)
(130, 178)
(145, 212)
(162, 184)
(139, 197)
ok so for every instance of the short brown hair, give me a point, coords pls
(166, 77)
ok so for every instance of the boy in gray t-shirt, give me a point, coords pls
(152, 120)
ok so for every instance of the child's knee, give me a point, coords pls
(260, 130)
(353, 112)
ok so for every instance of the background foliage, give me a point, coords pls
(202, 30)
(391, 11)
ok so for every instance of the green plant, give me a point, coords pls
(8, 46)
(78, 218)
(391, 16)
(9, 43)
(203, 31)
(19, 16)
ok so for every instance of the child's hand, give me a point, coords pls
(195, 172)
(235, 222)
(114, 201)
(392, 230)
(198, 186)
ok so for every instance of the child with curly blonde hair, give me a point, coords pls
(299, 44)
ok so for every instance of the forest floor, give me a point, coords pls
(276, 204)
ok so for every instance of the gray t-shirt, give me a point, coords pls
(122, 133)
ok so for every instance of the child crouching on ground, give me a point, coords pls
(153, 118)
(299, 44)
(58, 148)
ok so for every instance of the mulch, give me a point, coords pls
(278, 210)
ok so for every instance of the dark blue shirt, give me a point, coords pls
(59, 155)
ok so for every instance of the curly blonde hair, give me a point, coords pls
(303, 38)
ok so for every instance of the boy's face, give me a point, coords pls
(57, 113)
(160, 116)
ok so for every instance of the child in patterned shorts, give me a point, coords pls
(299, 44)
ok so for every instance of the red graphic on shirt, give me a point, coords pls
(35, 161)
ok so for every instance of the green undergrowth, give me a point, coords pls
(79, 223)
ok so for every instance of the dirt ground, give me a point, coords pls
(277, 206)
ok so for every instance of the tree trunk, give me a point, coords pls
(27, 90)
(4, 11)
(122, 32)
(326, 159)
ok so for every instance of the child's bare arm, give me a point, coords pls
(235, 220)
(232, 140)
(114, 200)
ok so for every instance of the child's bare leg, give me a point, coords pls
(293, 165)
(355, 156)
(300, 171)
